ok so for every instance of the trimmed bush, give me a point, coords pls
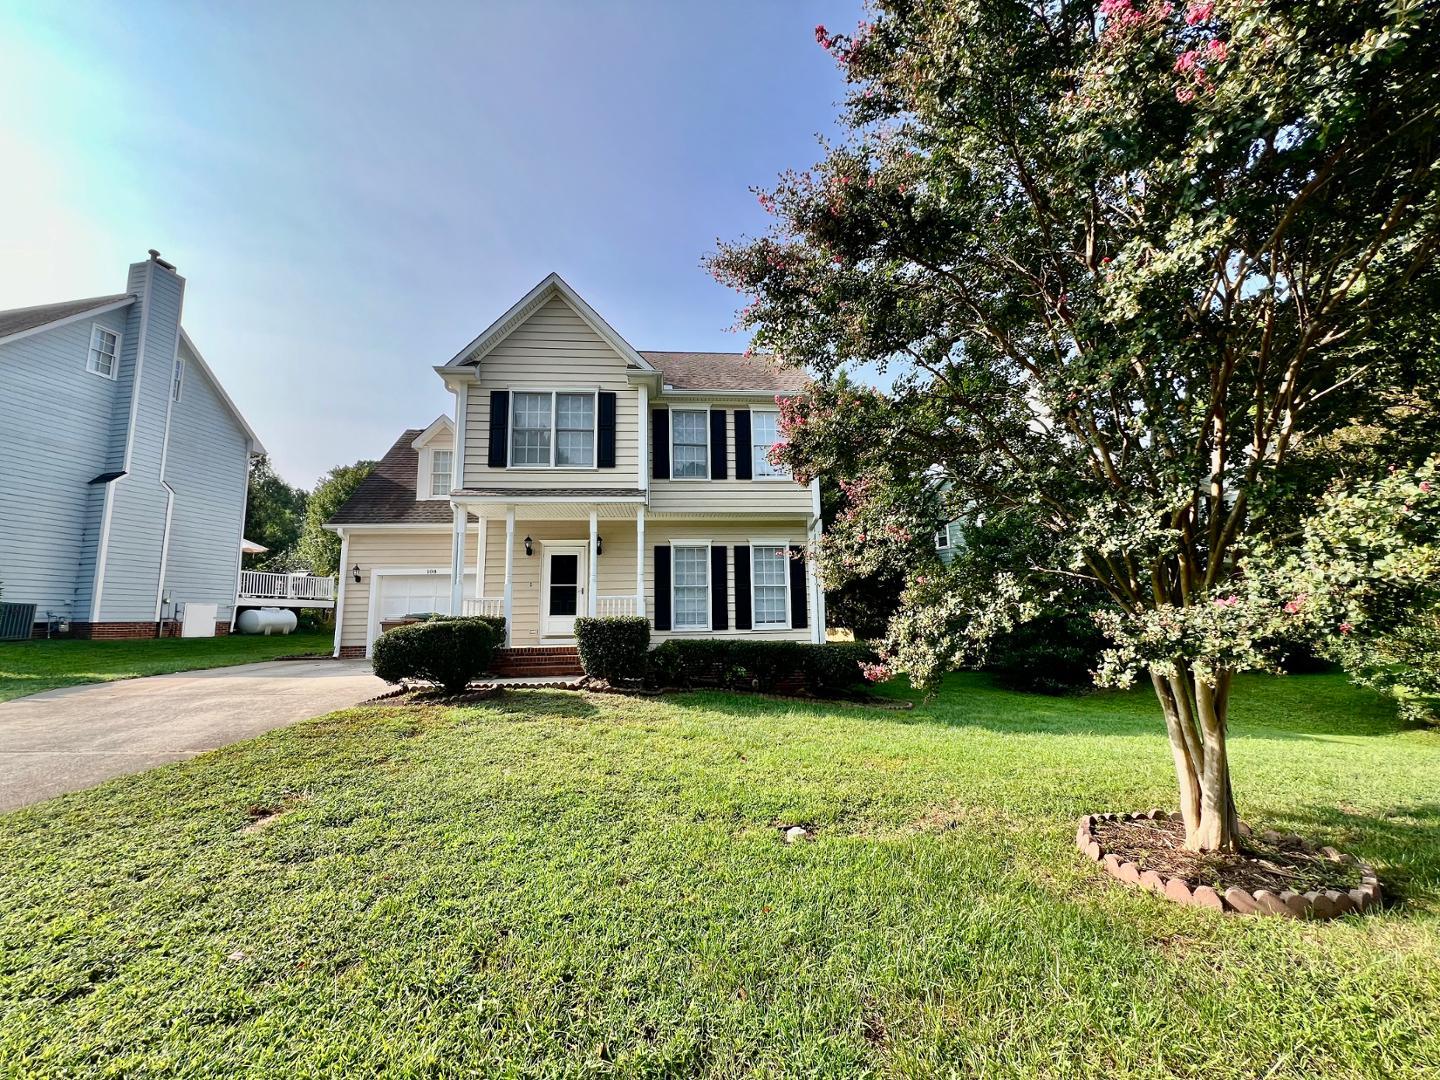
(446, 652)
(746, 664)
(613, 648)
(1048, 655)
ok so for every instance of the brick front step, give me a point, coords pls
(544, 660)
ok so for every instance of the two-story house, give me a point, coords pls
(123, 465)
(581, 476)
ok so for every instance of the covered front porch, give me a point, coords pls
(541, 564)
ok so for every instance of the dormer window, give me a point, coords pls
(553, 430)
(104, 357)
(441, 464)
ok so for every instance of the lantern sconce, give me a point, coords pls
(529, 547)
(355, 573)
(599, 544)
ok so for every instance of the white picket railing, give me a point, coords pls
(262, 585)
(608, 606)
(482, 605)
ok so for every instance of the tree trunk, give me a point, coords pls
(1195, 719)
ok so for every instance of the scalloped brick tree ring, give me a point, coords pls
(1316, 904)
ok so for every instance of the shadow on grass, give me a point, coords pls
(1402, 843)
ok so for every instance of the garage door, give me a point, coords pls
(414, 594)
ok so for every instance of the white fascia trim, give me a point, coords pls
(552, 285)
(439, 424)
(769, 395)
(379, 526)
(257, 447)
(89, 313)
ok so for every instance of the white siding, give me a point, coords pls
(553, 350)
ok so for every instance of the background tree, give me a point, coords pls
(319, 549)
(1129, 259)
(274, 514)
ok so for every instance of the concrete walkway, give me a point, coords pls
(67, 740)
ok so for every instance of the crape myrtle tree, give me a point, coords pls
(1125, 261)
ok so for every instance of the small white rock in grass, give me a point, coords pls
(796, 833)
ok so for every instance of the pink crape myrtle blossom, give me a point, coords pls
(875, 673)
(1198, 13)
(1293, 607)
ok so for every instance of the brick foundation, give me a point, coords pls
(352, 652)
(114, 631)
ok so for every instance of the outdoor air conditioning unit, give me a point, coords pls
(16, 620)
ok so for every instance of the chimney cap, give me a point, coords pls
(155, 257)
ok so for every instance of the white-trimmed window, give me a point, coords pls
(689, 444)
(104, 356)
(177, 379)
(691, 586)
(441, 464)
(770, 586)
(551, 429)
(765, 433)
(942, 539)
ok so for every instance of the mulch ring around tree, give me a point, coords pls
(1271, 874)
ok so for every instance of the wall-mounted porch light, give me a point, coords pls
(599, 544)
(529, 546)
(355, 573)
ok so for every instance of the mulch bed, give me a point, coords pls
(1270, 874)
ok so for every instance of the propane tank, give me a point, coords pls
(266, 621)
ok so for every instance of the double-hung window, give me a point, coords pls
(553, 429)
(770, 586)
(765, 433)
(441, 463)
(104, 352)
(691, 586)
(690, 444)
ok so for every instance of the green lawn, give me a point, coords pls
(557, 883)
(28, 667)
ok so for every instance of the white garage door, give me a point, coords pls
(414, 594)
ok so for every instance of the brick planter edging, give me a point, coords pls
(1318, 904)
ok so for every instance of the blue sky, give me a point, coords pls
(353, 191)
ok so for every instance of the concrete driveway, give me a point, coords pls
(67, 740)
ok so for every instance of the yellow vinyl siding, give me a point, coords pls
(553, 350)
(384, 550)
(769, 496)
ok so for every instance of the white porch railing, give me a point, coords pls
(482, 605)
(607, 606)
(262, 585)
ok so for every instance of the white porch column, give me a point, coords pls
(594, 564)
(457, 559)
(509, 574)
(817, 590)
(640, 561)
(480, 539)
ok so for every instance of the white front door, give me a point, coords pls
(562, 592)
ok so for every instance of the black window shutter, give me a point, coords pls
(742, 445)
(718, 452)
(605, 430)
(719, 593)
(499, 428)
(742, 587)
(799, 595)
(662, 586)
(660, 444)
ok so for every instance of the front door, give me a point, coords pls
(563, 589)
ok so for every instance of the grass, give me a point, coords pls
(556, 883)
(30, 667)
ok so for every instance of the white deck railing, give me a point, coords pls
(261, 585)
(607, 606)
(482, 605)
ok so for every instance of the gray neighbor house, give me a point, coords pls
(123, 467)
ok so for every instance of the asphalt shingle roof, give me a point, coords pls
(387, 495)
(18, 320)
(725, 371)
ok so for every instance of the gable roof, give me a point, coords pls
(256, 447)
(725, 371)
(553, 285)
(387, 495)
(27, 320)
(439, 424)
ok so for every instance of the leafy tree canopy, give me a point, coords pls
(274, 512)
(1139, 270)
(318, 548)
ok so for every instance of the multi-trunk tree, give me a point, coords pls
(1136, 268)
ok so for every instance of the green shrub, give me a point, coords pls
(746, 664)
(1048, 655)
(614, 648)
(446, 652)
